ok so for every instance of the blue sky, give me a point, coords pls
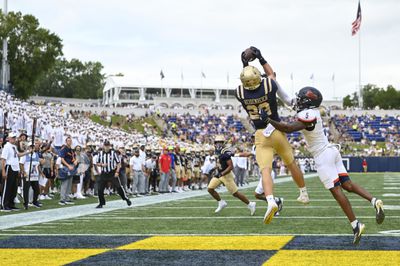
(303, 37)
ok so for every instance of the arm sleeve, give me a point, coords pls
(283, 95)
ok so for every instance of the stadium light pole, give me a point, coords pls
(5, 54)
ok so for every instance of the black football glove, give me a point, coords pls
(264, 116)
(217, 174)
(258, 55)
(244, 60)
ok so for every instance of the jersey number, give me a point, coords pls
(253, 110)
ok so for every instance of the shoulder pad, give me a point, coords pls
(307, 115)
(227, 151)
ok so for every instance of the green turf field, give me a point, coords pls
(196, 215)
(300, 230)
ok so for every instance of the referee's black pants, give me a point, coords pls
(10, 187)
(35, 188)
(104, 178)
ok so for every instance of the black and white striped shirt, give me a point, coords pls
(111, 159)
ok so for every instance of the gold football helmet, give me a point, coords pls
(219, 138)
(250, 77)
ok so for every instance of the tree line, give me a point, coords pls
(374, 96)
(37, 65)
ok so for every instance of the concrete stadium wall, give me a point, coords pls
(83, 104)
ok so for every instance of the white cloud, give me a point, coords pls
(308, 36)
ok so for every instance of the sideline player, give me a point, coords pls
(223, 175)
(328, 160)
(257, 94)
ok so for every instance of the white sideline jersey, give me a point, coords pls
(315, 135)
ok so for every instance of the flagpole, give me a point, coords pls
(333, 87)
(359, 69)
(181, 83)
(292, 83)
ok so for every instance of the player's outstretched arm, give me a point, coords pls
(244, 154)
(288, 127)
(267, 68)
(282, 126)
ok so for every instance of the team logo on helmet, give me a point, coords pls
(308, 97)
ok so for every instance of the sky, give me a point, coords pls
(305, 37)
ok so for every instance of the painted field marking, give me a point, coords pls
(20, 230)
(392, 188)
(45, 256)
(391, 232)
(285, 200)
(185, 234)
(43, 216)
(334, 257)
(44, 226)
(230, 217)
(391, 207)
(391, 195)
(242, 207)
(61, 223)
(209, 243)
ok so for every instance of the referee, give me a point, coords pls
(109, 163)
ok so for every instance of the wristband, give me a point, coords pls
(262, 61)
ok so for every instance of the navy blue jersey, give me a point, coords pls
(264, 97)
(223, 158)
(178, 159)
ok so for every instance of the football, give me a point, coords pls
(249, 55)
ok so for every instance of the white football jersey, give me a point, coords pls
(315, 135)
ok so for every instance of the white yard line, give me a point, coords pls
(162, 234)
(285, 200)
(20, 230)
(41, 226)
(60, 223)
(21, 219)
(228, 217)
(391, 195)
(241, 207)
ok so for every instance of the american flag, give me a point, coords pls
(357, 23)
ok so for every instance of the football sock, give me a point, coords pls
(354, 223)
(373, 202)
(303, 190)
(270, 199)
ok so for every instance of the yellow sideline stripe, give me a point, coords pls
(334, 257)
(46, 257)
(210, 243)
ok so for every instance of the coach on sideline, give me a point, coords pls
(110, 164)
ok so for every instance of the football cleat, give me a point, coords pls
(128, 202)
(380, 214)
(269, 214)
(358, 232)
(303, 198)
(221, 205)
(279, 202)
(252, 207)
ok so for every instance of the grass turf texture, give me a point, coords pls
(196, 215)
